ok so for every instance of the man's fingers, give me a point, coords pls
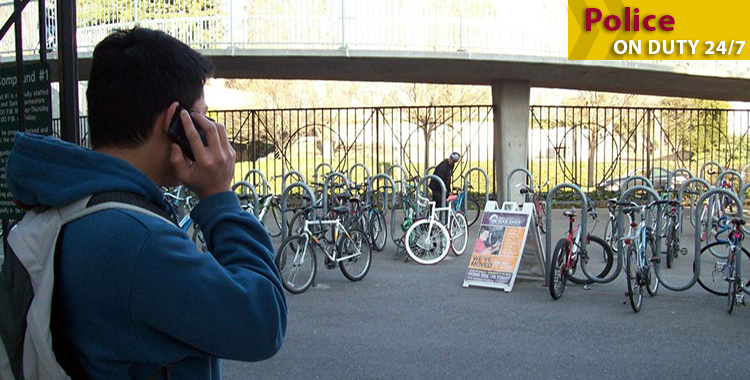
(223, 137)
(194, 138)
(178, 163)
(212, 135)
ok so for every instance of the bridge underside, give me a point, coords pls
(463, 68)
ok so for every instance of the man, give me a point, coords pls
(445, 171)
(134, 299)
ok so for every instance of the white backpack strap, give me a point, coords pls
(78, 209)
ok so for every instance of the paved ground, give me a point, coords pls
(406, 321)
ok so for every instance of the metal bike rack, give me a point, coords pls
(672, 174)
(355, 166)
(620, 221)
(681, 197)
(510, 177)
(404, 174)
(266, 186)
(322, 165)
(289, 174)
(393, 198)
(245, 184)
(486, 184)
(285, 197)
(423, 182)
(431, 168)
(636, 178)
(744, 169)
(705, 165)
(548, 238)
(325, 188)
(738, 202)
(730, 172)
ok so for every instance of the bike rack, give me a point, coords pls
(266, 186)
(486, 184)
(285, 196)
(393, 200)
(351, 171)
(325, 189)
(245, 184)
(681, 197)
(321, 165)
(431, 168)
(422, 183)
(404, 174)
(548, 238)
(744, 169)
(636, 178)
(672, 174)
(291, 173)
(738, 202)
(620, 221)
(510, 176)
(730, 172)
(705, 165)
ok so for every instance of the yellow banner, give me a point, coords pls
(658, 29)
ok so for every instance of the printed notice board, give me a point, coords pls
(498, 249)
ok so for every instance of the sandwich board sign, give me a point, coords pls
(498, 249)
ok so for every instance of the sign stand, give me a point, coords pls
(505, 250)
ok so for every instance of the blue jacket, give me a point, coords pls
(135, 292)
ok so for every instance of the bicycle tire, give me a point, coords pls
(635, 288)
(716, 283)
(557, 275)
(459, 233)
(473, 210)
(652, 281)
(429, 252)
(606, 263)
(274, 229)
(732, 290)
(610, 234)
(291, 262)
(378, 230)
(356, 241)
(671, 242)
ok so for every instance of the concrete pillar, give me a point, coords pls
(510, 102)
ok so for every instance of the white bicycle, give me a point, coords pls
(428, 240)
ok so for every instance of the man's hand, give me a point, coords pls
(213, 169)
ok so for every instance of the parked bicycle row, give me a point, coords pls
(643, 233)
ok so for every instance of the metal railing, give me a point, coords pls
(495, 27)
(595, 148)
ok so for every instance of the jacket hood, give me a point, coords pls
(44, 170)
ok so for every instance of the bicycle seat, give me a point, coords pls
(612, 201)
(341, 210)
(570, 213)
(451, 198)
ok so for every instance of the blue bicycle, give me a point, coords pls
(467, 206)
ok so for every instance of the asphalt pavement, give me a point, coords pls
(407, 321)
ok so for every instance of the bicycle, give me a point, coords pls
(472, 206)
(296, 257)
(567, 253)
(427, 240)
(540, 206)
(725, 266)
(639, 270)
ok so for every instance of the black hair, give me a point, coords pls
(135, 75)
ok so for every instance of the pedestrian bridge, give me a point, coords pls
(440, 41)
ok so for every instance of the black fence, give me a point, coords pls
(592, 147)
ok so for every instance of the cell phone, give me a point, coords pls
(176, 133)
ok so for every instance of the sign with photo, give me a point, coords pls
(498, 249)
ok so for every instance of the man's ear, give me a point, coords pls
(165, 117)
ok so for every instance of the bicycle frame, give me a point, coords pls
(338, 228)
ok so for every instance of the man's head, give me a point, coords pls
(453, 158)
(136, 77)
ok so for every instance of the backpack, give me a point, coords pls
(27, 280)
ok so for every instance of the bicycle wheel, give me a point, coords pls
(732, 290)
(610, 234)
(598, 260)
(472, 211)
(459, 233)
(199, 239)
(652, 282)
(713, 268)
(296, 262)
(557, 276)
(357, 254)
(378, 230)
(272, 220)
(671, 241)
(427, 242)
(632, 272)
